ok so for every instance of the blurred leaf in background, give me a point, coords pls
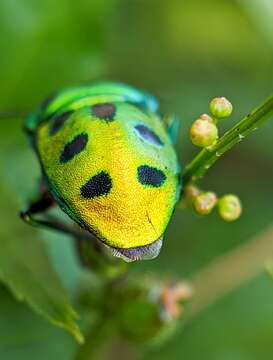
(27, 271)
(49, 44)
(186, 52)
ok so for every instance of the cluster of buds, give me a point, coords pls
(203, 202)
(204, 130)
(204, 133)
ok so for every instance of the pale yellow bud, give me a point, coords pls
(203, 133)
(205, 202)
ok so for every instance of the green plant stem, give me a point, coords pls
(207, 157)
(230, 271)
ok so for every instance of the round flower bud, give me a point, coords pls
(206, 117)
(205, 202)
(203, 132)
(229, 207)
(220, 107)
(192, 191)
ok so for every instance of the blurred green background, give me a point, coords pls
(185, 52)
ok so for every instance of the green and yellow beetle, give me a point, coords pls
(108, 160)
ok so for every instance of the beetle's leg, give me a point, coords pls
(50, 222)
(54, 224)
(43, 203)
(40, 206)
(172, 125)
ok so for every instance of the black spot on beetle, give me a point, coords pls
(105, 111)
(58, 121)
(74, 147)
(98, 185)
(148, 175)
(148, 135)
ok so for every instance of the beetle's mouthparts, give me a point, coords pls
(145, 252)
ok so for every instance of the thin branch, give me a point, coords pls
(230, 271)
(206, 158)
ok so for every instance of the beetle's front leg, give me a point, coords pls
(43, 203)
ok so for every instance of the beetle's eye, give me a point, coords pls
(148, 135)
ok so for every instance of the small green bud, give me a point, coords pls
(203, 132)
(205, 202)
(229, 207)
(220, 107)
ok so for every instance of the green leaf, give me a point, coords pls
(25, 335)
(27, 271)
